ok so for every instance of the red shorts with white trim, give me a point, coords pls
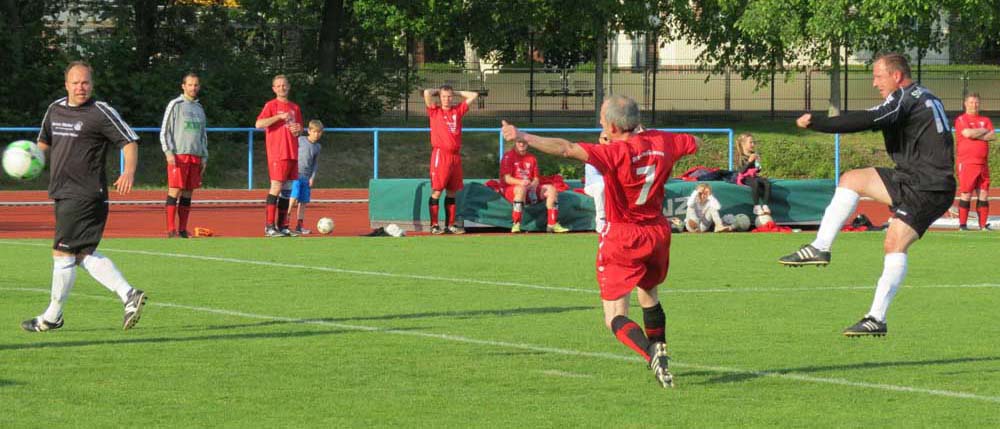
(283, 170)
(972, 177)
(630, 256)
(446, 171)
(185, 173)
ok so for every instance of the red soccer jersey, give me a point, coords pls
(280, 142)
(635, 172)
(446, 127)
(524, 167)
(971, 151)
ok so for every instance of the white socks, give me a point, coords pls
(63, 276)
(104, 271)
(841, 207)
(892, 277)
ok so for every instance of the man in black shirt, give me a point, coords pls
(918, 191)
(78, 131)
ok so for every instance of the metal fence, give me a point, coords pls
(524, 94)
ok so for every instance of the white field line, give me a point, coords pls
(554, 350)
(593, 291)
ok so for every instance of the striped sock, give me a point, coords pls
(629, 333)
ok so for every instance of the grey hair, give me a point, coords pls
(622, 112)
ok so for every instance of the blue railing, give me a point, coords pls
(377, 132)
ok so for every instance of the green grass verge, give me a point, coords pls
(452, 332)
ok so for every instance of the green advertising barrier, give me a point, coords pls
(404, 202)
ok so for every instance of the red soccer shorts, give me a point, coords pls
(631, 255)
(283, 170)
(972, 177)
(185, 173)
(532, 196)
(446, 171)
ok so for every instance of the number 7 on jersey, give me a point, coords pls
(649, 172)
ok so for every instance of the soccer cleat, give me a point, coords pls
(556, 228)
(182, 234)
(659, 363)
(963, 228)
(986, 227)
(38, 324)
(807, 255)
(436, 230)
(867, 326)
(303, 231)
(133, 307)
(455, 229)
(288, 232)
(171, 234)
(516, 228)
(271, 231)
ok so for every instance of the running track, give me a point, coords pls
(233, 219)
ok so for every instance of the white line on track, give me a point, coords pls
(554, 350)
(594, 291)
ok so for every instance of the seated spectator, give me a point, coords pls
(703, 211)
(748, 163)
(519, 178)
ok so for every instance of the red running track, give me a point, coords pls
(235, 220)
(149, 220)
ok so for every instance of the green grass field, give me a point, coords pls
(448, 332)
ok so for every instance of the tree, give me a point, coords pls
(567, 32)
(757, 37)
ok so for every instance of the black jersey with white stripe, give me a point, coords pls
(79, 138)
(917, 136)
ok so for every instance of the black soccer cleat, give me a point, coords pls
(455, 229)
(38, 324)
(436, 230)
(182, 234)
(133, 308)
(867, 327)
(659, 363)
(289, 232)
(806, 255)
(963, 228)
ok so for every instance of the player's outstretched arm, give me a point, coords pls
(549, 145)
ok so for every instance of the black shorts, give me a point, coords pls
(79, 225)
(916, 208)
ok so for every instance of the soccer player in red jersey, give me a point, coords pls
(519, 179)
(282, 122)
(446, 145)
(634, 249)
(973, 136)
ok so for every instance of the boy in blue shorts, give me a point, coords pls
(309, 148)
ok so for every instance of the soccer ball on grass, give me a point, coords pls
(23, 160)
(325, 225)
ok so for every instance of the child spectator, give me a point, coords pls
(309, 148)
(703, 211)
(748, 174)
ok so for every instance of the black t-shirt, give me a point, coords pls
(78, 139)
(917, 136)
